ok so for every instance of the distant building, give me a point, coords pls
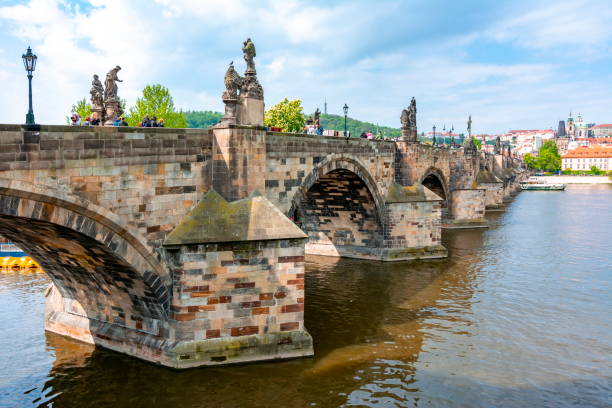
(604, 130)
(561, 129)
(583, 158)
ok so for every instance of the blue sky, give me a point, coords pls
(510, 64)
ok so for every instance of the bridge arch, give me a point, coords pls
(340, 207)
(434, 180)
(106, 273)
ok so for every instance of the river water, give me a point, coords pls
(519, 315)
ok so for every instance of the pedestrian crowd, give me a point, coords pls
(151, 122)
(94, 120)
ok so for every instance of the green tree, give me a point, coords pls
(530, 161)
(81, 108)
(478, 143)
(548, 157)
(156, 101)
(287, 115)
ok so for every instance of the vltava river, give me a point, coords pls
(519, 315)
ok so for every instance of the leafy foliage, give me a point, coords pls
(356, 127)
(82, 108)
(202, 119)
(287, 115)
(548, 157)
(478, 143)
(530, 161)
(156, 101)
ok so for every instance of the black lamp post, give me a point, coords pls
(452, 141)
(29, 61)
(345, 109)
(433, 141)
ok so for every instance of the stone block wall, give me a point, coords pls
(494, 195)
(413, 231)
(237, 302)
(150, 177)
(468, 209)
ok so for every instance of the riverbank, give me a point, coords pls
(575, 179)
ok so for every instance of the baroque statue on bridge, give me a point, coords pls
(233, 83)
(111, 84)
(97, 93)
(408, 120)
(248, 51)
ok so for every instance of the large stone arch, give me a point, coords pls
(103, 273)
(434, 179)
(340, 208)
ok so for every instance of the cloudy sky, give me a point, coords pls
(510, 64)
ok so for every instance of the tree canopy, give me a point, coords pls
(287, 115)
(156, 101)
(548, 157)
(81, 108)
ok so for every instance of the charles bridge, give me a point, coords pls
(186, 247)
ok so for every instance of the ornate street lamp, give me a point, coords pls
(452, 142)
(29, 61)
(433, 141)
(345, 109)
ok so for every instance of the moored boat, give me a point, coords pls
(533, 183)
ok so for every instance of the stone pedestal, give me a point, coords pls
(113, 111)
(251, 111)
(231, 112)
(409, 135)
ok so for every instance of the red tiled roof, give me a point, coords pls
(608, 125)
(584, 152)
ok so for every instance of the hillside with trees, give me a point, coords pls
(356, 127)
(202, 119)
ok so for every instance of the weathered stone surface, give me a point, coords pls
(215, 220)
(94, 207)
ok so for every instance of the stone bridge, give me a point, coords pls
(186, 247)
(176, 245)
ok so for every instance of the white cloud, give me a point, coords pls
(585, 25)
(309, 51)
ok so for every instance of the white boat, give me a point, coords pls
(534, 183)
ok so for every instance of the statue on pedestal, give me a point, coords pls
(111, 84)
(111, 100)
(97, 93)
(97, 98)
(408, 120)
(248, 51)
(317, 116)
(233, 82)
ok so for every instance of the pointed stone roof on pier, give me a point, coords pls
(215, 220)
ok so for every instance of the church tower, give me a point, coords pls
(570, 127)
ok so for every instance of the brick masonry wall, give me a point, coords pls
(469, 206)
(230, 290)
(413, 225)
(338, 212)
(494, 194)
(294, 161)
(150, 177)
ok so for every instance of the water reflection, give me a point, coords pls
(510, 319)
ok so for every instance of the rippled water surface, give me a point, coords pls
(519, 315)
